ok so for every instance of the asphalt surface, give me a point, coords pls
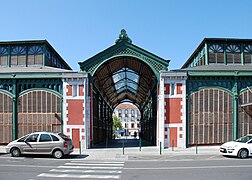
(38, 167)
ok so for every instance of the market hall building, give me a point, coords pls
(208, 101)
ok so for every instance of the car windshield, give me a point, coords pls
(244, 139)
(22, 139)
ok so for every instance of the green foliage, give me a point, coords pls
(117, 125)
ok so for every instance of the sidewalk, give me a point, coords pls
(146, 153)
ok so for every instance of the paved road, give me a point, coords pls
(220, 168)
(78, 167)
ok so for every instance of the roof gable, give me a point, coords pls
(124, 47)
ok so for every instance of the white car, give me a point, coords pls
(241, 147)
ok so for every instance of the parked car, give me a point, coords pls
(56, 144)
(241, 147)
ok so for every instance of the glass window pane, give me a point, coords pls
(44, 138)
(126, 79)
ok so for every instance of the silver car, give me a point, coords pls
(56, 144)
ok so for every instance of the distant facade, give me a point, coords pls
(129, 116)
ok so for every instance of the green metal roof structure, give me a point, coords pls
(124, 71)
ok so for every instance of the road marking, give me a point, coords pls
(196, 167)
(101, 162)
(26, 166)
(79, 176)
(92, 164)
(85, 171)
(88, 167)
(104, 170)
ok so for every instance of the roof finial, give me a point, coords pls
(123, 37)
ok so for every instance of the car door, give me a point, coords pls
(45, 144)
(29, 145)
(250, 147)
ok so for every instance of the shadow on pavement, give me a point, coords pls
(118, 143)
(71, 156)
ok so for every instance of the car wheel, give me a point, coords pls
(15, 152)
(243, 153)
(57, 154)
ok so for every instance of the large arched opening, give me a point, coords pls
(123, 73)
(119, 80)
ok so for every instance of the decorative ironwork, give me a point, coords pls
(225, 82)
(18, 50)
(216, 48)
(3, 51)
(123, 37)
(233, 48)
(35, 50)
(248, 49)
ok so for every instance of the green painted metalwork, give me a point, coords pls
(123, 37)
(206, 54)
(222, 47)
(31, 75)
(44, 55)
(41, 89)
(234, 83)
(235, 109)
(14, 112)
(219, 73)
(15, 87)
(242, 55)
(6, 92)
(28, 48)
(124, 47)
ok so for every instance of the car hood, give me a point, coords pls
(10, 143)
(231, 144)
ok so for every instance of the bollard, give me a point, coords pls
(106, 142)
(197, 147)
(140, 144)
(80, 147)
(160, 152)
(123, 146)
(172, 145)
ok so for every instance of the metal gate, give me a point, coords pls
(5, 118)
(39, 110)
(245, 113)
(210, 116)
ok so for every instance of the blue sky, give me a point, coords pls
(79, 29)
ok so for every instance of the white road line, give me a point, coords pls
(100, 162)
(79, 176)
(26, 166)
(92, 164)
(85, 171)
(88, 167)
(195, 167)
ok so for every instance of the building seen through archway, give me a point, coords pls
(129, 116)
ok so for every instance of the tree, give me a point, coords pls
(117, 124)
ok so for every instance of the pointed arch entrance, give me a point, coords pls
(123, 73)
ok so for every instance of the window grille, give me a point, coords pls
(5, 118)
(210, 116)
(39, 110)
(245, 113)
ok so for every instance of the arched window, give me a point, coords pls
(126, 112)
